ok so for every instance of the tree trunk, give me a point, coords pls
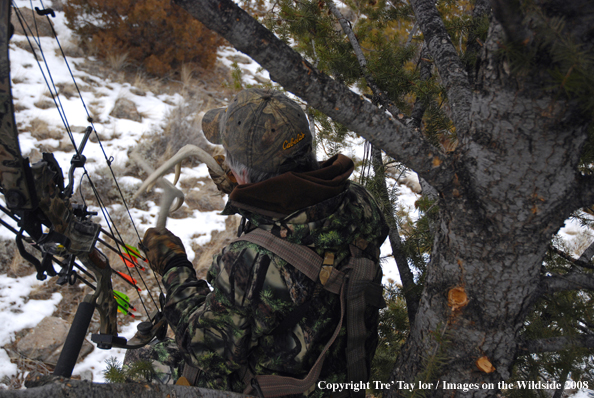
(516, 183)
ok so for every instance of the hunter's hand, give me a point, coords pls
(224, 183)
(161, 247)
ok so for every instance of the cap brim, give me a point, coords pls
(210, 125)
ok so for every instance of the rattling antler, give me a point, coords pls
(171, 192)
(183, 153)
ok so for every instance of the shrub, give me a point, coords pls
(154, 33)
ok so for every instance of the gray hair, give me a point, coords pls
(308, 162)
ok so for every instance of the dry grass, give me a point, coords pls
(67, 90)
(71, 50)
(187, 75)
(95, 110)
(40, 130)
(106, 187)
(44, 104)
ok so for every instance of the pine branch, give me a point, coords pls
(509, 15)
(451, 69)
(571, 281)
(555, 344)
(298, 76)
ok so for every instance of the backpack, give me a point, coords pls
(358, 283)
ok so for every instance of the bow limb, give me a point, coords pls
(36, 197)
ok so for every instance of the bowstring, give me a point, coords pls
(57, 101)
(107, 160)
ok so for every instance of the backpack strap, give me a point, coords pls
(277, 386)
(301, 257)
(363, 288)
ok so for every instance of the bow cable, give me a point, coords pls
(57, 101)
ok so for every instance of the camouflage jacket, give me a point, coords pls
(232, 327)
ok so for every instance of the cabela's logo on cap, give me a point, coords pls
(288, 144)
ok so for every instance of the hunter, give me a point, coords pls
(266, 314)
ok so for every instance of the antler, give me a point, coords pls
(183, 153)
(170, 195)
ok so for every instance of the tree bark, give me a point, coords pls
(516, 184)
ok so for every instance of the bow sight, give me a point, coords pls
(61, 231)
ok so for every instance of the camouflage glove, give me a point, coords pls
(224, 183)
(161, 246)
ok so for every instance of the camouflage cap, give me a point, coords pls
(262, 129)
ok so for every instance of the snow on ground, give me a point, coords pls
(17, 312)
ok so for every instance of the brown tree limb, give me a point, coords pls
(579, 262)
(510, 16)
(298, 76)
(585, 191)
(451, 69)
(554, 344)
(411, 294)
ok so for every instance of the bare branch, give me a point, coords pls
(424, 73)
(452, 71)
(411, 295)
(298, 76)
(570, 281)
(554, 344)
(481, 9)
(379, 94)
(579, 262)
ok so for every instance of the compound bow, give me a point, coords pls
(39, 201)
